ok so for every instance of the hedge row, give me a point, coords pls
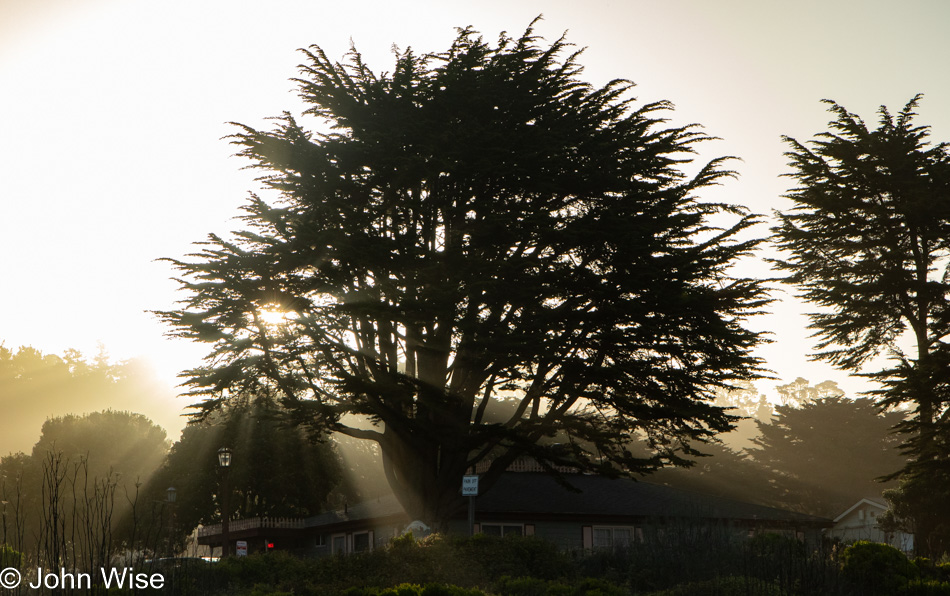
(515, 566)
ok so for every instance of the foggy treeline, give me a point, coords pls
(94, 485)
(35, 386)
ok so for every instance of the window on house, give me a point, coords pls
(360, 542)
(612, 536)
(503, 529)
(338, 544)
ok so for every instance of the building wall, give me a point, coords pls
(577, 535)
(861, 524)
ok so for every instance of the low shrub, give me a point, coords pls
(714, 564)
(10, 557)
(532, 586)
(415, 590)
(875, 568)
(928, 587)
(724, 586)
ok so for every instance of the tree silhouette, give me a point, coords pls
(479, 224)
(868, 239)
(121, 442)
(35, 387)
(277, 470)
(85, 469)
(822, 456)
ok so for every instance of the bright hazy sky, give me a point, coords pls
(112, 113)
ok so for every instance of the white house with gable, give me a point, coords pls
(859, 522)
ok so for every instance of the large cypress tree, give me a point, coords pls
(868, 242)
(479, 224)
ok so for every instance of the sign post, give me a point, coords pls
(470, 490)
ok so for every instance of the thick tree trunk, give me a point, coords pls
(427, 488)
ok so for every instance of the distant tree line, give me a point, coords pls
(815, 451)
(95, 486)
(35, 386)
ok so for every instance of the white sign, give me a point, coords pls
(469, 486)
(241, 549)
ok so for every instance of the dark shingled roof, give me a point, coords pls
(382, 507)
(540, 494)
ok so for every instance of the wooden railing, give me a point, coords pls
(522, 464)
(238, 525)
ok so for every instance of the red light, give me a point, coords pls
(270, 545)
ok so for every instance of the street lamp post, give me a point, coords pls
(224, 461)
(171, 496)
(4, 503)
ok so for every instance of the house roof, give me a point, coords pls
(865, 501)
(381, 507)
(538, 493)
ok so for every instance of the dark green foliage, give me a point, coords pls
(277, 469)
(877, 568)
(277, 570)
(10, 557)
(918, 505)
(824, 455)
(85, 469)
(479, 224)
(925, 587)
(685, 561)
(868, 241)
(464, 561)
(532, 586)
(415, 590)
(436, 563)
(122, 443)
(724, 586)
(934, 578)
(869, 227)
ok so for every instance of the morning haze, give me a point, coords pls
(368, 250)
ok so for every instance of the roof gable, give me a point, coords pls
(864, 501)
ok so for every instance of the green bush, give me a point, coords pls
(10, 557)
(875, 568)
(772, 545)
(264, 591)
(415, 590)
(716, 565)
(723, 586)
(532, 586)
(928, 587)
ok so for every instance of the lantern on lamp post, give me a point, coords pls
(224, 462)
